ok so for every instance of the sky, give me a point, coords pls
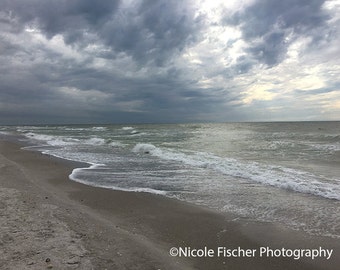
(168, 61)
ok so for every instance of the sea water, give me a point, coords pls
(287, 173)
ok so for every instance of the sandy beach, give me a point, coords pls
(50, 222)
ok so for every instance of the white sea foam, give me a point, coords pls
(278, 176)
(52, 140)
(94, 141)
(115, 144)
(145, 148)
(71, 129)
(326, 147)
(275, 145)
(65, 141)
(99, 128)
(74, 177)
(131, 131)
(132, 189)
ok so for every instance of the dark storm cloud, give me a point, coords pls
(270, 49)
(138, 60)
(261, 17)
(271, 26)
(59, 16)
(152, 31)
(148, 30)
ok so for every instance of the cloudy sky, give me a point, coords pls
(85, 61)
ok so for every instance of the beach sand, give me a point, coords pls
(50, 222)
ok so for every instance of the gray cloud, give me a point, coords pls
(115, 61)
(148, 30)
(59, 16)
(261, 17)
(152, 31)
(271, 26)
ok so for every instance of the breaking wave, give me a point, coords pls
(277, 176)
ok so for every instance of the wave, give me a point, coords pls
(326, 147)
(277, 176)
(94, 141)
(131, 130)
(54, 140)
(72, 129)
(127, 128)
(74, 177)
(99, 128)
(145, 148)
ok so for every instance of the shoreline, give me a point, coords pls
(127, 230)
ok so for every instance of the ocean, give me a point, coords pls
(285, 173)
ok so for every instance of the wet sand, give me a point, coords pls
(50, 222)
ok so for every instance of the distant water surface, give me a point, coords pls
(277, 172)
